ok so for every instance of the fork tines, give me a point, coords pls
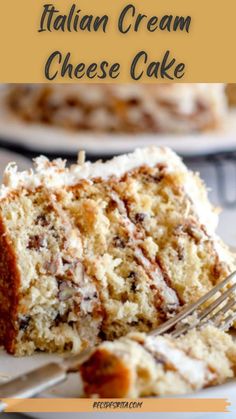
(214, 313)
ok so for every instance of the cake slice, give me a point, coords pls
(138, 365)
(94, 251)
(121, 108)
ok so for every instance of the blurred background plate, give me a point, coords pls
(39, 138)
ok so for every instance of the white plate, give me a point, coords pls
(45, 139)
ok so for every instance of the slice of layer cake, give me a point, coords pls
(94, 251)
(138, 365)
(121, 108)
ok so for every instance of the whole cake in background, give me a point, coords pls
(231, 93)
(94, 251)
(130, 108)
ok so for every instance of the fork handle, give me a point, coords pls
(32, 383)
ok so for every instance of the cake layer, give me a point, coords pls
(95, 251)
(139, 365)
(121, 108)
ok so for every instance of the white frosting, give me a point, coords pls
(194, 371)
(55, 175)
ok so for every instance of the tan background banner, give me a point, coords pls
(116, 405)
(201, 52)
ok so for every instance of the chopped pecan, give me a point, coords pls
(94, 296)
(156, 178)
(53, 266)
(133, 281)
(37, 242)
(119, 242)
(161, 166)
(140, 217)
(42, 220)
(24, 322)
(218, 270)
(180, 252)
(112, 205)
(66, 290)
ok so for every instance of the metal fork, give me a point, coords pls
(217, 310)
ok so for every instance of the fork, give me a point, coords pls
(226, 300)
(217, 310)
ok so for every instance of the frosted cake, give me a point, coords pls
(94, 251)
